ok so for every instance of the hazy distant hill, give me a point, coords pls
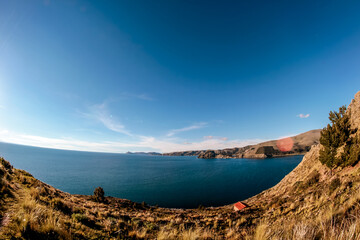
(296, 145)
(144, 153)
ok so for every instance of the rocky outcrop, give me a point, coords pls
(207, 155)
(184, 153)
(354, 111)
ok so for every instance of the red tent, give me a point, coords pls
(238, 206)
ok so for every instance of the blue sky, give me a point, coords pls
(121, 76)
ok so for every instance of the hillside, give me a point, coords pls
(296, 145)
(313, 201)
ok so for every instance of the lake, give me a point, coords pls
(178, 182)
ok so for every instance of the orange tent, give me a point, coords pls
(238, 206)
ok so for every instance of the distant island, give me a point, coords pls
(296, 145)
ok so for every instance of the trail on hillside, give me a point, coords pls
(13, 204)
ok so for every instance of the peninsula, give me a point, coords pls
(296, 145)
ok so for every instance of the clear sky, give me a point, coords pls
(162, 76)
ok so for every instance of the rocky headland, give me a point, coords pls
(296, 145)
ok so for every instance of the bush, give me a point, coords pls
(335, 183)
(80, 217)
(313, 178)
(5, 163)
(99, 194)
(337, 135)
(2, 173)
(354, 152)
(58, 204)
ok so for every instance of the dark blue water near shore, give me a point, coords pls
(181, 182)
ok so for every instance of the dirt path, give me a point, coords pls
(5, 220)
(11, 207)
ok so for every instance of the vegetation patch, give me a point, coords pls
(99, 194)
(335, 183)
(340, 146)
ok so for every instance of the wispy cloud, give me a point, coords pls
(100, 113)
(215, 143)
(185, 129)
(62, 143)
(143, 143)
(303, 115)
(139, 96)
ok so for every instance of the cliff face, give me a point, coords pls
(354, 111)
(296, 145)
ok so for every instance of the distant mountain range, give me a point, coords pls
(296, 145)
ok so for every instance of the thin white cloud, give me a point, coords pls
(138, 96)
(217, 143)
(100, 113)
(303, 115)
(143, 142)
(61, 143)
(213, 137)
(185, 129)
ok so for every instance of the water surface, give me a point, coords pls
(181, 182)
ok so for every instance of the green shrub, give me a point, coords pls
(99, 194)
(79, 217)
(337, 135)
(354, 152)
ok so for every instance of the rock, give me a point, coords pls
(207, 155)
(354, 111)
(268, 151)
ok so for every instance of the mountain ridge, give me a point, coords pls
(296, 145)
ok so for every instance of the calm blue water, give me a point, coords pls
(181, 182)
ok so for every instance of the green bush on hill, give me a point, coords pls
(339, 147)
(99, 194)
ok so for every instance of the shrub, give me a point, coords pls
(354, 152)
(337, 135)
(312, 179)
(57, 204)
(79, 217)
(335, 183)
(5, 163)
(99, 194)
(34, 193)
